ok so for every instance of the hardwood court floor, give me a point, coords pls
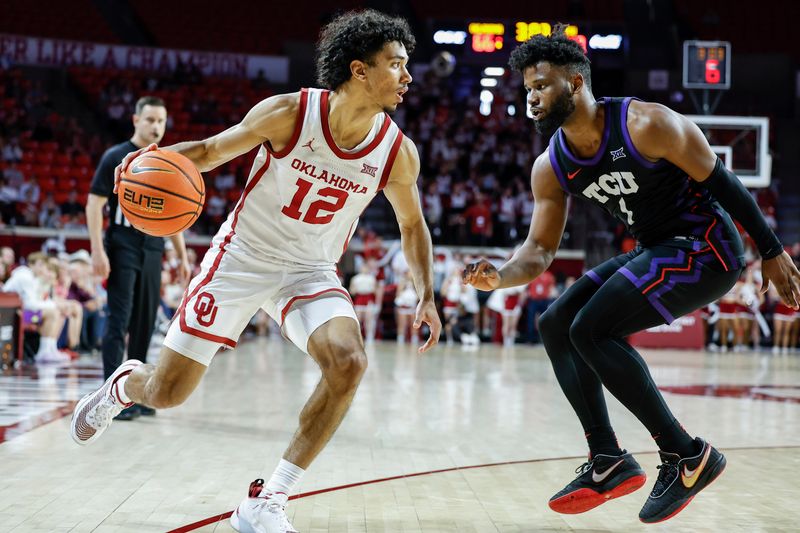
(413, 414)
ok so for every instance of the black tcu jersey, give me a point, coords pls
(655, 200)
(119, 230)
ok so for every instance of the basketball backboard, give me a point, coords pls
(742, 143)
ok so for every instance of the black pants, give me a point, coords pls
(134, 286)
(584, 330)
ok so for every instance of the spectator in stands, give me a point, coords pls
(8, 258)
(12, 151)
(457, 223)
(14, 175)
(84, 289)
(525, 211)
(72, 309)
(8, 202)
(432, 209)
(450, 293)
(507, 218)
(29, 190)
(541, 293)
(171, 293)
(367, 295)
(33, 284)
(71, 207)
(49, 213)
(225, 180)
(479, 217)
(405, 302)
(784, 320)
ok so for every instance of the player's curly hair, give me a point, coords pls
(556, 49)
(356, 35)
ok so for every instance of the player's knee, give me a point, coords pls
(582, 333)
(167, 393)
(553, 323)
(345, 368)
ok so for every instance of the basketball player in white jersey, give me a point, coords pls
(323, 156)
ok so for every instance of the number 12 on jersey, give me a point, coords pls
(312, 215)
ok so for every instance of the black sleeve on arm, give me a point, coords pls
(735, 199)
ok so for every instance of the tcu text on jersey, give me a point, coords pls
(613, 184)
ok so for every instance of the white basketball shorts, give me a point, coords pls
(232, 285)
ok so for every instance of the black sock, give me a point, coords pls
(602, 440)
(674, 439)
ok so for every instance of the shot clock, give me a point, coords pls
(706, 65)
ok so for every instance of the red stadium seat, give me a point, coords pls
(61, 172)
(42, 171)
(47, 184)
(43, 157)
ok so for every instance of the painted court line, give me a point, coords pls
(220, 517)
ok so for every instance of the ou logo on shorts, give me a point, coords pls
(205, 308)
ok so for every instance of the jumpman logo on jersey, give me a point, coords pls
(617, 154)
(308, 144)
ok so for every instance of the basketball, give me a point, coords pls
(161, 193)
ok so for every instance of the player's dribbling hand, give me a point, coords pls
(782, 272)
(427, 313)
(482, 275)
(123, 166)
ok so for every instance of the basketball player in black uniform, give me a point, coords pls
(130, 259)
(654, 170)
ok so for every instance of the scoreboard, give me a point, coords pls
(492, 41)
(706, 65)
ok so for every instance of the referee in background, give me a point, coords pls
(130, 259)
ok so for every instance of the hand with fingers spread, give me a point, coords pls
(123, 166)
(427, 313)
(782, 272)
(482, 275)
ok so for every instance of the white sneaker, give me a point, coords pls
(262, 514)
(94, 413)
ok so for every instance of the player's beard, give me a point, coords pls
(562, 108)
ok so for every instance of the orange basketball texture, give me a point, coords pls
(161, 193)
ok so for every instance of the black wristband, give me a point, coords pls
(735, 199)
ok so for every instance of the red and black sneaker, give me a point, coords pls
(601, 478)
(679, 480)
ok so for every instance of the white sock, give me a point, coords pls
(120, 389)
(47, 345)
(284, 478)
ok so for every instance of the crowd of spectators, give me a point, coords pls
(474, 176)
(475, 166)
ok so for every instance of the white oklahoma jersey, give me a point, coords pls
(278, 248)
(303, 203)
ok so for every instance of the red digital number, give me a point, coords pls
(483, 43)
(713, 75)
(312, 215)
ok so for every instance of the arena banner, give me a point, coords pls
(685, 332)
(17, 49)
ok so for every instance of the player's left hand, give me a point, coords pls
(782, 272)
(427, 313)
(120, 169)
